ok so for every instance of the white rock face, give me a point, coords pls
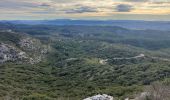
(25, 50)
(100, 97)
(10, 53)
(29, 44)
(103, 61)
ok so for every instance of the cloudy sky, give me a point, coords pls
(85, 9)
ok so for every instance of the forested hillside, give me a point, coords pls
(80, 61)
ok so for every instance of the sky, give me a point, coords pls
(85, 9)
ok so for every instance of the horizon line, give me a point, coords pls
(69, 19)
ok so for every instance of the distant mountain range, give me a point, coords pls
(130, 24)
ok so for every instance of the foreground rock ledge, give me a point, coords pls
(100, 97)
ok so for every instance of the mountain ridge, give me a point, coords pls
(132, 24)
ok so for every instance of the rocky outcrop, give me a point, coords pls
(31, 44)
(25, 49)
(142, 96)
(103, 61)
(35, 49)
(100, 97)
(11, 53)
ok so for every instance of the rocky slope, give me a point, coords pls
(10, 53)
(20, 48)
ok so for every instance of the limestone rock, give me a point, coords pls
(10, 53)
(100, 97)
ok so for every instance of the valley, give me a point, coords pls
(73, 62)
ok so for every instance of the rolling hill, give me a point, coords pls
(80, 61)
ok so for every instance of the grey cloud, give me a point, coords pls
(46, 11)
(161, 2)
(123, 8)
(45, 5)
(15, 4)
(153, 1)
(137, 0)
(82, 9)
(63, 1)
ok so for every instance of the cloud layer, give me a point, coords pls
(83, 9)
(124, 8)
